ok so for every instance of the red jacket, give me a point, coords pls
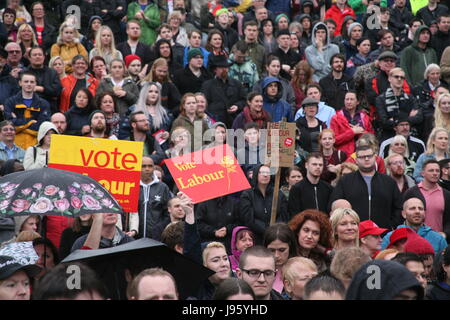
(335, 13)
(68, 84)
(55, 227)
(345, 137)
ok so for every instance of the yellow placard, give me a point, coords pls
(96, 153)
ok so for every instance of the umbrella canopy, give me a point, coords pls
(138, 255)
(49, 191)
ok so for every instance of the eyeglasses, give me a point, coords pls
(14, 51)
(367, 157)
(398, 77)
(255, 273)
(397, 163)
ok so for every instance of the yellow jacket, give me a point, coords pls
(67, 52)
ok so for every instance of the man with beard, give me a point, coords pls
(133, 45)
(140, 131)
(435, 199)
(311, 192)
(396, 170)
(97, 122)
(414, 215)
(336, 84)
(373, 195)
(225, 96)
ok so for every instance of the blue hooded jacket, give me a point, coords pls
(434, 238)
(275, 106)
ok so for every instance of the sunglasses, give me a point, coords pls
(399, 77)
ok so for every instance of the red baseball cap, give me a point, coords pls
(368, 227)
(399, 234)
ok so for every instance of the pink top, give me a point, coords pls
(435, 207)
(278, 283)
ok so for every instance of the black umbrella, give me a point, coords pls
(49, 191)
(110, 265)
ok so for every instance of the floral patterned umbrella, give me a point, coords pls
(49, 191)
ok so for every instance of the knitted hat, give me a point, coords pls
(130, 58)
(354, 24)
(223, 10)
(280, 16)
(283, 32)
(95, 18)
(419, 246)
(193, 53)
(93, 113)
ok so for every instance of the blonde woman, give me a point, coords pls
(26, 38)
(159, 72)
(442, 112)
(215, 258)
(437, 148)
(105, 46)
(345, 228)
(57, 63)
(68, 45)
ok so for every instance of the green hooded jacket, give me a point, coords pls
(415, 60)
(150, 22)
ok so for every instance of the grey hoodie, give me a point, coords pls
(320, 60)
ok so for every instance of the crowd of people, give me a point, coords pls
(365, 82)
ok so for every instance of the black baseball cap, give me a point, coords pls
(9, 266)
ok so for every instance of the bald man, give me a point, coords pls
(154, 284)
(414, 214)
(60, 122)
(340, 203)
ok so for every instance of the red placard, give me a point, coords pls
(208, 173)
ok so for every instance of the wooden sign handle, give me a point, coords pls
(276, 191)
